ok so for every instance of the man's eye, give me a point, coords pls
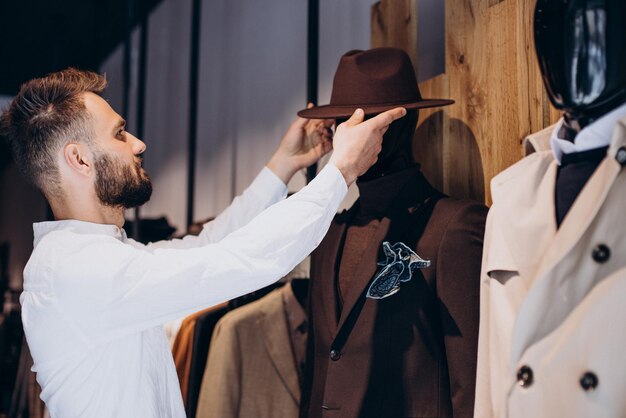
(121, 134)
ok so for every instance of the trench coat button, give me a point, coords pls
(335, 355)
(601, 253)
(589, 381)
(525, 376)
(620, 156)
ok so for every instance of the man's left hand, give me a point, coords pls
(304, 143)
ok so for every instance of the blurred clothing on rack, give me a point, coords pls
(254, 360)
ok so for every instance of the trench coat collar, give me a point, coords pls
(525, 238)
(276, 340)
(550, 280)
(587, 205)
(527, 241)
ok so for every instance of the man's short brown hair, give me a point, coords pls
(47, 114)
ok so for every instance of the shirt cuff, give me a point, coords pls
(268, 186)
(331, 182)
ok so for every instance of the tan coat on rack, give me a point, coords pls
(251, 370)
(552, 336)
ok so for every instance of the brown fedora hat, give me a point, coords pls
(375, 80)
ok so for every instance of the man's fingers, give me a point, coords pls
(323, 148)
(356, 118)
(300, 123)
(386, 118)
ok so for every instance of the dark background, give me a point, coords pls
(38, 37)
(42, 36)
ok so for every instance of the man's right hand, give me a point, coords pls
(356, 144)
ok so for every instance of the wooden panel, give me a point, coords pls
(492, 73)
(432, 133)
(394, 23)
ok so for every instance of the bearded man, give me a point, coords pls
(94, 300)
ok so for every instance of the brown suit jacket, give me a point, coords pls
(412, 354)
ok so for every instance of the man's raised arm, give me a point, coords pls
(148, 289)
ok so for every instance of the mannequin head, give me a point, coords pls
(397, 149)
(377, 80)
(581, 48)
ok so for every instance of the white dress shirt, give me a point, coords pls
(94, 301)
(596, 135)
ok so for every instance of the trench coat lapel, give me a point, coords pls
(580, 216)
(527, 201)
(276, 340)
(551, 285)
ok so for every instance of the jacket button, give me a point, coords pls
(620, 156)
(601, 253)
(525, 376)
(335, 355)
(589, 381)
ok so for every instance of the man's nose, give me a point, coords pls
(138, 145)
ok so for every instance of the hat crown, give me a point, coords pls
(374, 77)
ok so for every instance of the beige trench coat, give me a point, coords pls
(552, 339)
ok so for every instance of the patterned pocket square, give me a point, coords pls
(398, 267)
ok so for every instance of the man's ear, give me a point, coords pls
(78, 158)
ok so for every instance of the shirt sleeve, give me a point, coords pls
(110, 289)
(264, 191)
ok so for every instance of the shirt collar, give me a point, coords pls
(42, 229)
(596, 135)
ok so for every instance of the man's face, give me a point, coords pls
(120, 180)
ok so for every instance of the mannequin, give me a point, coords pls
(393, 308)
(550, 291)
(390, 187)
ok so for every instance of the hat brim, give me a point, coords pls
(345, 111)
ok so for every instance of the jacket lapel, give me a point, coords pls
(277, 342)
(364, 274)
(327, 263)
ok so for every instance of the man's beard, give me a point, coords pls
(120, 185)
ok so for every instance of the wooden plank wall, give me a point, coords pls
(491, 72)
